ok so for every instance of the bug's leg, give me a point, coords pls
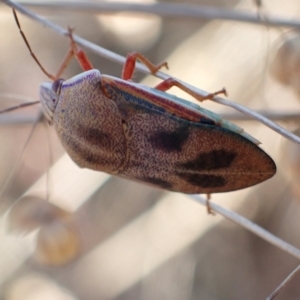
(74, 50)
(209, 210)
(64, 63)
(129, 65)
(19, 106)
(83, 60)
(170, 82)
(29, 48)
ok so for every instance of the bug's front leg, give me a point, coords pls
(209, 210)
(64, 64)
(170, 82)
(129, 65)
(74, 50)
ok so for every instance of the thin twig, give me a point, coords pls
(272, 115)
(283, 284)
(279, 129)
(259, 231)
(120, 59)
(174, 10)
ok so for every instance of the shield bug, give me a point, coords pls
(147, 135)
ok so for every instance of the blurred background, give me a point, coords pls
(102, 237)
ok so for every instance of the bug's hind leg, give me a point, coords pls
(129, 65)
(209, 210)
(170, 82)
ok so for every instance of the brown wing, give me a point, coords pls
(188, 157)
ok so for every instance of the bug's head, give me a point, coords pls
(49, 95)
(81, 85)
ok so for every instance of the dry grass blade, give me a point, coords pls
(163, 9)
(283, 284)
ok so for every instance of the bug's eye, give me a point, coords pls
(56, 85)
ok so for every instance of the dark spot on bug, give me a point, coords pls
(157, 181)
(212, 160)
(92, 159)
(170, 141)
(207, 121)
(77, 148)
(203, 180)
(96, 137)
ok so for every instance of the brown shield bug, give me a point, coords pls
(145, 134)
